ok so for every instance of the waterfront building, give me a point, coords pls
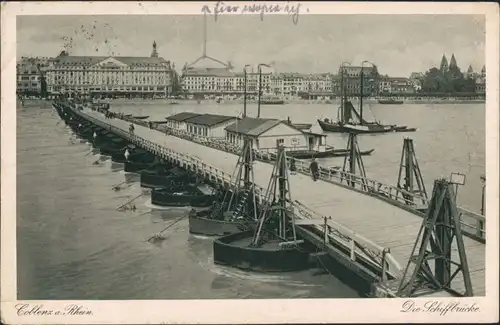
(204, 82)
(308, 86)
(415, 80)
(401, 85)
(384, 85)
(480, 87)
(397, 85)
(110, 76)
(287, 84)
(265, 133)
(29, 75)
(352, 80)
(178, 121)
(209, 125)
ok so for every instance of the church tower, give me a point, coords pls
(453, 62)
(483, 72)
(154, 54)
(470, 72)
(444, 64)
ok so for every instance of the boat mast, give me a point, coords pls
(245, 92)
(361, 98)
(342, 94)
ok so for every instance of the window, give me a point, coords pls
(281, 141)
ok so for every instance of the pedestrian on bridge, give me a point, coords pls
(293, 168)
(314, 169)
(131, 129)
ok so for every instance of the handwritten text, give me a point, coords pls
(221, 7)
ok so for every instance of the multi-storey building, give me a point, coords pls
(481, 82)
(352, 80)
(396, 85)
(222, 81)
(317, 83)
(287, 84)
(111, 76)
(29, 75)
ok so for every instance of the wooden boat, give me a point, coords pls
(308, 154)
(139, 166)
(350, 121)
(235, 250)
(390, 101)
(136, 155)
(272, 101)
(182, 195)
(113, 148)
(163, 177)
(140, 117)
(212, 223)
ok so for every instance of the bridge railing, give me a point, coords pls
(473, 223)
(356, 245)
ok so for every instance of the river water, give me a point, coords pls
(74, 244)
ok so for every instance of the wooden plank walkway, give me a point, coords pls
(382, 223)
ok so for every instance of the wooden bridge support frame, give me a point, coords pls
(354, 160)
(412, 173)
(439, 229)
(244, 172)
(280, 206)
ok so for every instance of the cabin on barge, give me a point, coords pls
(265, 133)
(209, 125)
(178, 121)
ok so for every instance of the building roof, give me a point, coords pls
(357, 69)
(181, 117)
(209, 119)
(252, 126)
(92, 60)
(316, 134)
(216, 72)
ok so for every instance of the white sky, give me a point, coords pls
(398, 44)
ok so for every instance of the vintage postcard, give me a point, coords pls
(249, 162)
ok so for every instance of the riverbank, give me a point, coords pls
(372, 101)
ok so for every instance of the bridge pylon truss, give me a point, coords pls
(240, 202)
(353, 164)
(431, 267)
(277, 218)
(410, 177)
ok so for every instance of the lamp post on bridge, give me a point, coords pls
(245, 90)
(361, 88)
(259, 67)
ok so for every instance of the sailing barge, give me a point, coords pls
(351, 121)
(347, 124)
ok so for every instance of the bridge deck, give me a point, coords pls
(382, 223)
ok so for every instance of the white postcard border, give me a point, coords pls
(240, 311)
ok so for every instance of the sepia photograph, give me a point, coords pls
(224, 152)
